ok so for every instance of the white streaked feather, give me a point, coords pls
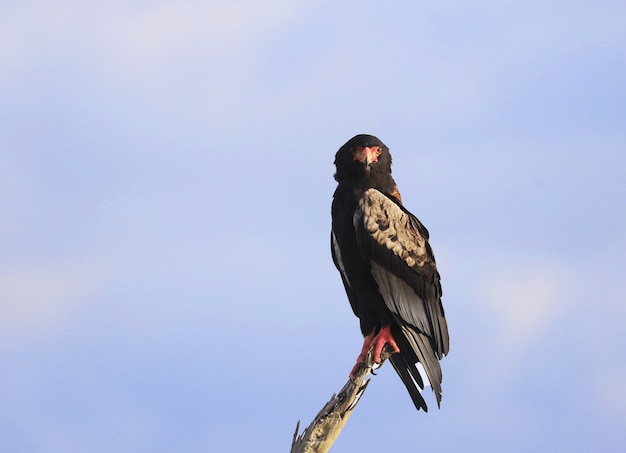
(390, 226)
(337, 251)
(357, 217)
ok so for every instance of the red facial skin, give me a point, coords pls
(367, 155)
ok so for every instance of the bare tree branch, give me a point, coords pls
(320, 435)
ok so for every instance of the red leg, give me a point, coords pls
(377, 343)
(367, 344)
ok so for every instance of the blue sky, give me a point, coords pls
(166, 177)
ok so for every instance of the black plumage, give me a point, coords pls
(387, 266)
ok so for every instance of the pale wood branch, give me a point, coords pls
(320, 435)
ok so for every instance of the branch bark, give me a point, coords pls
(320, 435)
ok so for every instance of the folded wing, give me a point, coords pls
(402, 263)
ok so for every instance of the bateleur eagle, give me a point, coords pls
(387, 266)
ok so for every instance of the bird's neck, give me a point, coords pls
(372, 179)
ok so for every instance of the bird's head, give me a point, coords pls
(361, 155)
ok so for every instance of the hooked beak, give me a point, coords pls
(366, 155)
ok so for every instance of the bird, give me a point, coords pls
(387, 267)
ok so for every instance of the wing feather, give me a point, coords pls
(337, 259)
(402, 263)
(401, 299)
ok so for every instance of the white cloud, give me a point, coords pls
(135, 35)
(524, 298)
(35, 298)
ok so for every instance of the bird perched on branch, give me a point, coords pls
(387, 267)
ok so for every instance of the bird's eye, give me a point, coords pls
(379, 151)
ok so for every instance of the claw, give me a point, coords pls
(380, 340)
(375, 342)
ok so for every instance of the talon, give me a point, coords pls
(355, 369)
(375, 342)
(380, 340)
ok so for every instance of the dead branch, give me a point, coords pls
(320, 435)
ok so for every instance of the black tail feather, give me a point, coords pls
(416, 347)
(411, 378)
